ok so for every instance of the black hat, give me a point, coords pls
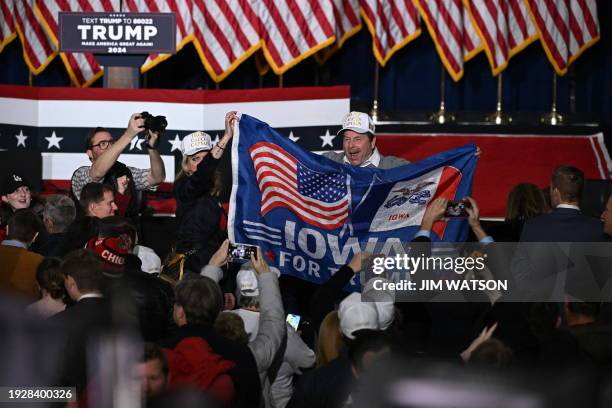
(12, 182)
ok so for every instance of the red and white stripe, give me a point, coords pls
(292, 30)
(82, 68)
(392, 23)
(566, 28)
(7, 22)
(37, 48)
(276, 173)
(346, 17)
(504, 27)
(184, 22)
(224, 35)
(471, 41)
(450, 29)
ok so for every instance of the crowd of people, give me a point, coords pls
(204, 323)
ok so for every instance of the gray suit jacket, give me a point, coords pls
(386, 162)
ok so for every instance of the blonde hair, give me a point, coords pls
(329, 341)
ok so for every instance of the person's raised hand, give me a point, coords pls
(259, 263)
(135, 125)
(220, 257)
(484, 335)
(434, 212)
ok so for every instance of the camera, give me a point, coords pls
(457, 209)
(156, 124)
(242, 252)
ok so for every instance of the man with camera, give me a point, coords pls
(103, 151)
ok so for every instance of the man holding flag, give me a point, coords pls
(310, 215)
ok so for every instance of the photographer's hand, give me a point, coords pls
(157, 173)
(106, 160)
(220, 257)
(135, 126)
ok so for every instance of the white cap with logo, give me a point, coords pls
(356, 315)
(358, 122)
(196, 142)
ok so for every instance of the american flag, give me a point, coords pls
(7, 23)
(504, 27)
(292, 30)
(184, 24)
(37, 48)
(224, 35)
(82, 68)
(566, 28)
(392, 23)
(319, 199)
(449, 27)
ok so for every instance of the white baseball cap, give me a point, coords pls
(359, 122)
(151, 262)
(246, 283)
(196, 142)
(383, 301)
(356, 315)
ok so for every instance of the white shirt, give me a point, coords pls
(373, 160)
(570, 206)
(89, 295)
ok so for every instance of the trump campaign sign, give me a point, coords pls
(310, 215)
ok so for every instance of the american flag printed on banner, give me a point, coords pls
(320, 199)
(82, 68)
(392, 23)
(504, 27)
(566, 28)
(7, 23)
(38, 51)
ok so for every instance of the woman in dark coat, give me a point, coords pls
(196, 190)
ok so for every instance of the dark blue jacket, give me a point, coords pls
(563, 225)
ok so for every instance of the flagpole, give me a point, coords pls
(499, 118)
(280, 81)
(553, 118)
(374, 111)
(441, 116)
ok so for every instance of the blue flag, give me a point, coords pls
(310, 215)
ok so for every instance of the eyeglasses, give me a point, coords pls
(103, 145)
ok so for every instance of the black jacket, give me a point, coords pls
(563, 225)
(198, 213)
(244, 374)
(152, 299)
(83, 323)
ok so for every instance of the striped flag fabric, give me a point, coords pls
(292, 30)
(346, 15)
(223, 35)
(7, 23)
(319, 199)
(82, 68)
(566, 28)
(471, 41)
(38, 51)
(449, 28)
(392, 23)
(504, 27)
(184, 23)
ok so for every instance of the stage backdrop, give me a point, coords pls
(54, 122)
